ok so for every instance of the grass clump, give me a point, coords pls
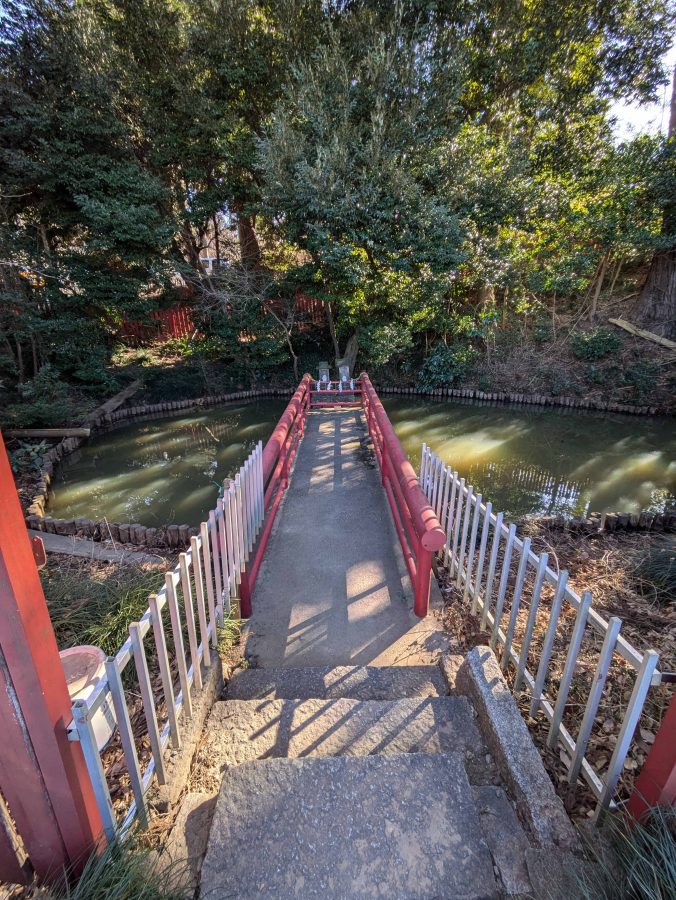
(229, 632)
(123, 870)
(655, 571)
(641, 864)
(93, 603)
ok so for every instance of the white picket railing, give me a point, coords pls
(206, 579)
(490, 563)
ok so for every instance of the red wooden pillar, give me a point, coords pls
(43, 776)
(421, 588)
(656, 783)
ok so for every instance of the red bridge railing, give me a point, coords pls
(418, 528)
(278, 455)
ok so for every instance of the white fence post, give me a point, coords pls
(459, 512)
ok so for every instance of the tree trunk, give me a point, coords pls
(19, 360)
(249, 247)
(616, 275)
(599, 285)
(657, 308)
(349, 358)
(294, 357)
(217, 243)
(658, 300)
(332, 328)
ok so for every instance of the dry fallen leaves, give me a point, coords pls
(604, 564)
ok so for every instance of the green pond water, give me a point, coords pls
(161, 470)
(546, 461)
(525, 460)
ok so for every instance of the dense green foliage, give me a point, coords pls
(432, 172)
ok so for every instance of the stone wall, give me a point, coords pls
(170, 536)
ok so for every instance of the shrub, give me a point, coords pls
(641, 376)
(45, 401)
(542, 331)
(594, 344)
(445, 365)
(559, 383)
(28, 456)
(655, 571)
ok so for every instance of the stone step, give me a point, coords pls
(329, 682)
(401, 826)
(241, 730)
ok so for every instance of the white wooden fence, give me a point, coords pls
(491, 565)
(196, 593)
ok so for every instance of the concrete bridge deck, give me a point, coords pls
(333, 588)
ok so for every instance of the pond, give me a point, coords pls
(546, 461)
(523, 459)
(161, 470)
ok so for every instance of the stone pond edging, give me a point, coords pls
(170, 536)
(525, 399)
(610, 522)
(178, 536)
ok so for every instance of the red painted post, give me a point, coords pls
(656, 783)
(43, 776)
(245, 607)
(421, 588)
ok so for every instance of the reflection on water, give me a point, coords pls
(161, 470)
(524, 460)
(546, 461)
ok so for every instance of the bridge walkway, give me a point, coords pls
(333, 588)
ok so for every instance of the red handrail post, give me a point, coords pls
(656, 783)
(421, 589)
(245, 608)
(43, 775)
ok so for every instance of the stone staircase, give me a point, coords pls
(355, 782)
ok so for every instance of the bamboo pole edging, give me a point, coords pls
(493, 397)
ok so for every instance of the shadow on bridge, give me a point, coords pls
(333, 588)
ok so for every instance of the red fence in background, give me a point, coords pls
(177, 322)
(311, 308)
